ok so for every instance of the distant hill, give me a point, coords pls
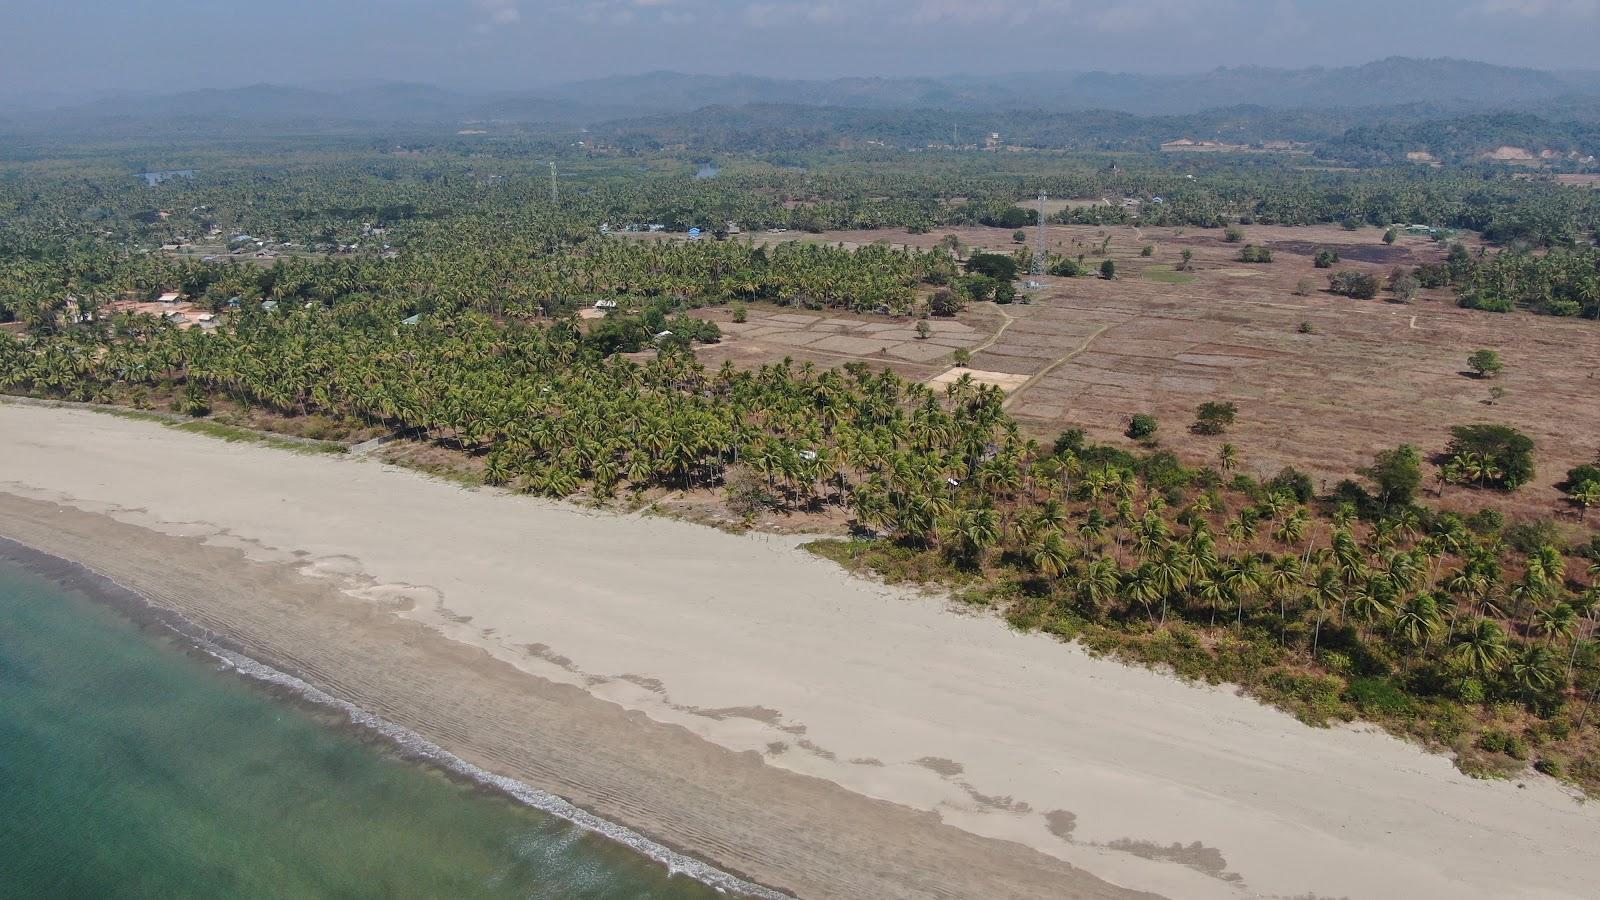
(1394, 99)
(1451, 83)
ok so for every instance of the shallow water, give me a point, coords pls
(132, 767)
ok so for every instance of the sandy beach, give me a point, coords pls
(742, 701)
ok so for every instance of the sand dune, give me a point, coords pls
(734, 666)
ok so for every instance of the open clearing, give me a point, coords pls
(1005, 381)
(833, 338)
(1368, 375)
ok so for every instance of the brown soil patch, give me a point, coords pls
(1005, 381)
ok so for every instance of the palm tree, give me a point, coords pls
(1535, 672)
(976, 530)
(1099, 583)
(1585, 495)
(1481, 648)
(1144, 586)
(1228, 457)
(1282, 578)
(1049, 554)
(1326, 592)
(1418, 619)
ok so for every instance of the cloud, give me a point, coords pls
(1099, 15)
(1104, 16)
(496, 13)
(787, 12)
(1540, 9)
(1139, 15)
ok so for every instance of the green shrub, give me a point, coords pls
(1336, 662)
(1315, 699)
(1553, 765)
(1469, 690)
(1381, 695)
(1497, 741)
(1350, 283)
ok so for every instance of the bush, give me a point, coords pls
(1398, 474)
(1250, 253)
(1581, 475)
(995, 265)
(1497, 741)
(1553, 765)
(1336, 662)
(1486, 521)
(1141, 426)
(1529, 537)
(1213, 417)
(1019, 237)
(1147, 250)
(1073, 439)
(1314, 698)
(1067, 268)
(1294, 482)
(1486, 363)
(1507, 453)
(741, 313)
(978, 287)
(1469, 690)
(945, 302)
(1233, 235)
(1380, 695)
(1108, 270)
(1325, 258)
(1350, 283)
(1432, 275)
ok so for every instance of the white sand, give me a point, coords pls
(753, 644)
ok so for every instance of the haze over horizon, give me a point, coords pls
(59, 50)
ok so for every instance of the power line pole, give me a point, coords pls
(1039, 251)
(553, 198)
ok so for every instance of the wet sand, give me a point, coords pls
(746, 703)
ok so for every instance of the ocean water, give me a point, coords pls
(132, 766)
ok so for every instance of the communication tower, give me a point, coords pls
(1040, 254)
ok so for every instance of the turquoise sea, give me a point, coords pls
(134, 766)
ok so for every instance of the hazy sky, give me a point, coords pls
(75, 45)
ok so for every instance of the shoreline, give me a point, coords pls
(766, 826)
(759, 707)
(404, 744)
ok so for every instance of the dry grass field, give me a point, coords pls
(1369, 374)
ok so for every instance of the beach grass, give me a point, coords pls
(234, 434)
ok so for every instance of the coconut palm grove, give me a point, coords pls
(338, 292)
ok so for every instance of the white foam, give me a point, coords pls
(414, 745)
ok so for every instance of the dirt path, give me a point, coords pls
(999, 332)
(1056, 364)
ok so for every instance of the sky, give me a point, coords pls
(63, 47)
